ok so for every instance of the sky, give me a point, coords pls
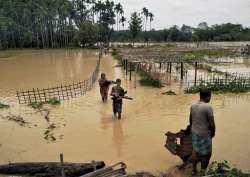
(191, 12)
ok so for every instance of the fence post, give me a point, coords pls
(130, 71)
(181, 70)
(62, 167)
(170, 67)
(195, 75)
(126, 66)
(136, 68)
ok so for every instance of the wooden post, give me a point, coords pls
(126, 65)
(29, 96)
(170, 67)
(130, 71)
(136, 68)
(62, 168)
(181, 70)
(195, 75)
(17, 94)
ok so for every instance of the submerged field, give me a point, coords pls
(85, 129)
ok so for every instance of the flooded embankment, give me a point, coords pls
(86, 130)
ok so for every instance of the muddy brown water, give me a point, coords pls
(86, 129)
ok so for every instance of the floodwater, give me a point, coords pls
(44, 68)
(86, 129)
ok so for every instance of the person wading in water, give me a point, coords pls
(104, 87)
(203, 130)
(117, 94)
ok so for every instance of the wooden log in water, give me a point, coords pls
(50, 169)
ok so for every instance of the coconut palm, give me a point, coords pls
(145, 12)
(151, 18)
(119, 12)
(122, 21)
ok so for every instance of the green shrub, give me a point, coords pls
(223, 169)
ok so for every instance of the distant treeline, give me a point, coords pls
(223, 32)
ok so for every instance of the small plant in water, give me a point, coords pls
(170, 92)
(2, 105)
(36, 105)
(223, 169)
(147, 80)
(53, 101)
(39, 105)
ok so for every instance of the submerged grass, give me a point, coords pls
(220, 86)
(39, 105)
(2, 105)
(148, 80)
(201, 54)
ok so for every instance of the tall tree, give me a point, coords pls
(119, 12)
(122, 21)
(145, 12)
(151, 19)
(135, 25)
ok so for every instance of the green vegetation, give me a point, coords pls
(147, 80)
(221, 86)
(60, 23)
(170, 92)
(223, 169)
(2, 105)
(39, 105)
(216, 169)
(53, 101)
(57, 23)
(36, 105)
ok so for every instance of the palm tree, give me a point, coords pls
(122, 21)
(119, 11)
(151, 18)
(145, 12)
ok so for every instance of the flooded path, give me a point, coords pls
(86, 129)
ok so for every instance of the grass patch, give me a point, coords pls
(170, 92)
(36, 105)
(39, 105)
(53, 101)
(223, 169)
(220, 86)
(2, 105)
